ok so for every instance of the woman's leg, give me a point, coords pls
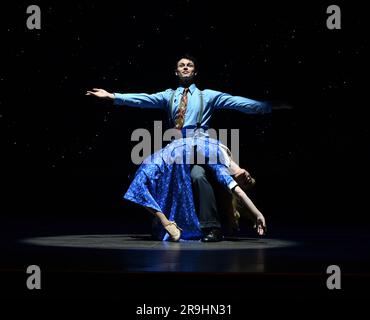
(161, 216)
(170, 226)
(258, 217)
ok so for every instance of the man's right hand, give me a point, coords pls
(100, 93)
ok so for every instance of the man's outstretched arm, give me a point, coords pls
(142, 100)
(227, 101)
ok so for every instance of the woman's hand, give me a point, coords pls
(260, 225)
(244, 179)
(100, 93)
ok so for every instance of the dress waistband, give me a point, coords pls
(191, 131)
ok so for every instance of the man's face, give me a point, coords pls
(185, 68)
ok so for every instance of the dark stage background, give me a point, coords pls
(66, 156)
(69, 155)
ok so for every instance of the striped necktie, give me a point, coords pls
(180, 117)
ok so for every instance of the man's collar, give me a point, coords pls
(192, 88)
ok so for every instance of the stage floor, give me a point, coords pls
(92, 260)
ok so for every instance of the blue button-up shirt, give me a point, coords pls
(212, 100)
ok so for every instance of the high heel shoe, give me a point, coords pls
(173, 230)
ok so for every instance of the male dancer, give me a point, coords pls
(189, 107)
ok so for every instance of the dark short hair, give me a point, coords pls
(189, 57)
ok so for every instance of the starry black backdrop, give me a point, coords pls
(68, 155)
